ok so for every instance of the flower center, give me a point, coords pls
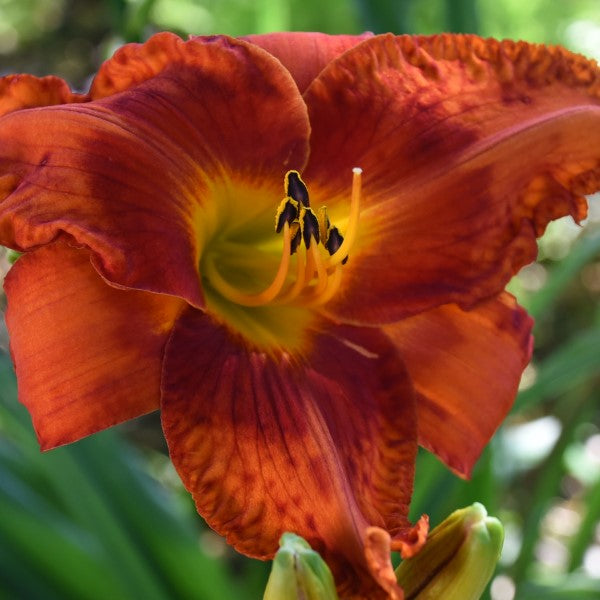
(320, 251)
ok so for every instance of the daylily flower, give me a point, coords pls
(295, 371)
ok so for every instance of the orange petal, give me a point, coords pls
(131, 175)
(26, 91)
(304, 54)
(469, 148)
(466, 367)
(87, 355)
(321, 445)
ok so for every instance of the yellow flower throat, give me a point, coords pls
(317, 276)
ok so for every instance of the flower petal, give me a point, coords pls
(466, 367)
(305, 54)
(26, 91)
(469, 148)
(87, 355)
(133, 175)
(321, 446)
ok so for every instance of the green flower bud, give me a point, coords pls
(299, 573)
(458, 559)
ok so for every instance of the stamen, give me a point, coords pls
(324, 224)
(334, 241)
(321, 270)
(352, 227)
(294, 290)
(296, 235)
(296, 188)
(287, 212)
(309, 225)
(318, 277)
(309, 271)
(333, 285)
(268, 294)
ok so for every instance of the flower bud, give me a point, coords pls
(299, 573)
(458, 559)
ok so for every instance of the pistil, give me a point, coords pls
(352, 229)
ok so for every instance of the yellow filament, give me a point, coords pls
(321, 270)
(268, 294)
(309, 271)
(294, 290)
(352, 227)
(333, 285)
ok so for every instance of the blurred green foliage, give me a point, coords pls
(107, 517)
(88, 522)
(70, 38)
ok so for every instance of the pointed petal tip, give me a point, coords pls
(410, 541)
(480, 355)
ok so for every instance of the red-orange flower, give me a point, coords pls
(294, 387)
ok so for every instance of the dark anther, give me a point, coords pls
(310, 227)
(295, 188)
(295, 241)
(334, 241)
(287, 213)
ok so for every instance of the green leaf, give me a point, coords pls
(86, 521)
(574, 362)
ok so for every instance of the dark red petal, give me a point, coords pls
(87, 355)
(469, 148)
(322, 445)
(466, 367)
(304, 54)
(142, 174)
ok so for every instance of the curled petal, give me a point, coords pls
(378, 549)
(305, 54)
(469, 147)
(26, 91)
(466, 367)
(321, 444)
(87, 355)
(227, 98)
(142, 174)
